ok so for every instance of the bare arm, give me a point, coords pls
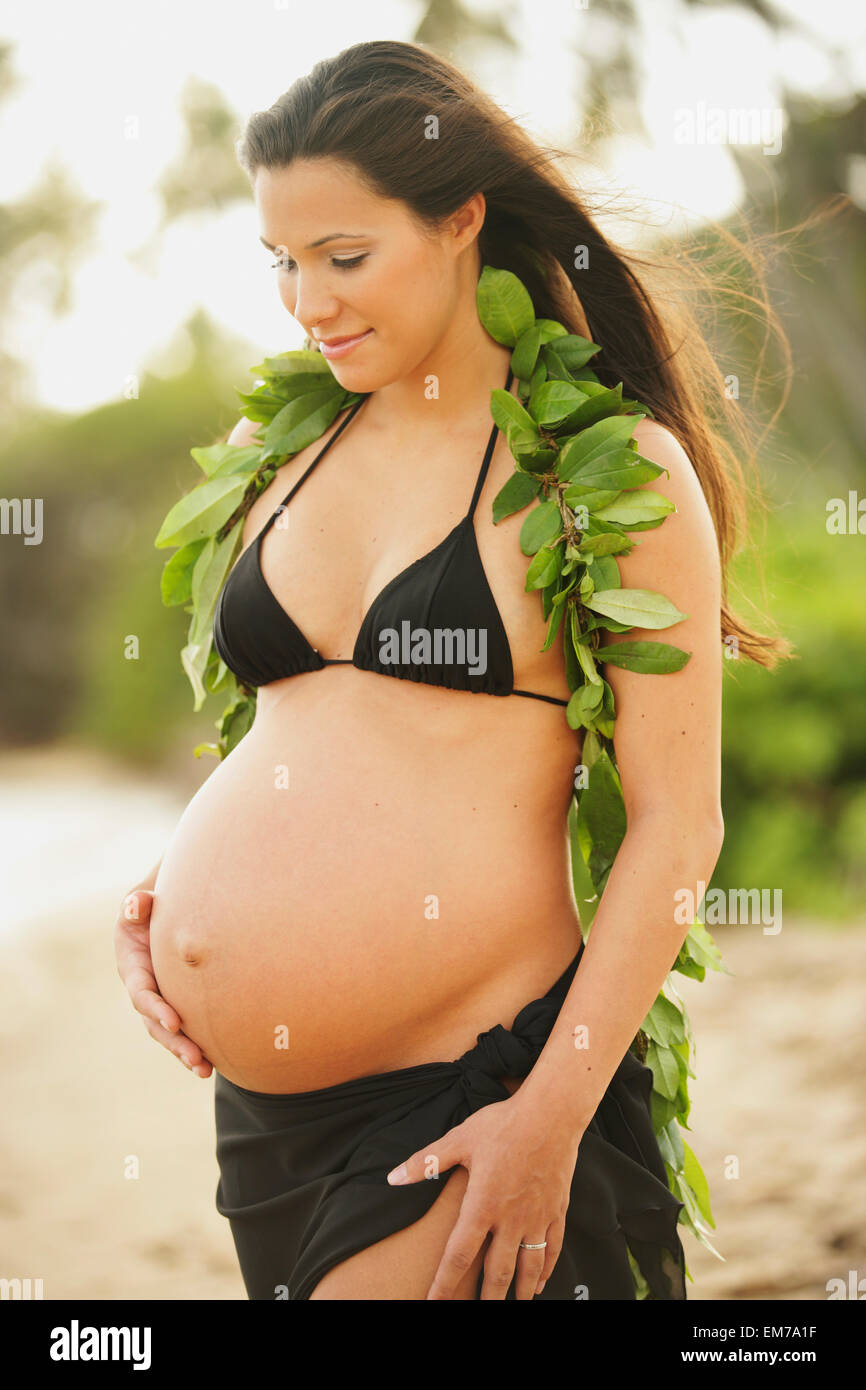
(668, 747)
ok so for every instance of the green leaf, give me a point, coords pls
(209, 575)
(662, 1109)
(544, 568)
(601, 817)
(573, 673)
(176, 578)
(601, 402)
(525, 354)
(664, 1022)
(221, 678)
(594, 442)
(703, 948)
(583, 705)
(553, 401)
(238, 723)
(568, 353)
(684, 965)
(194, 658)
(592, 498)
(301, 422)
(694, 1176)
(584, 892)
(637, 607)
(538, 376)
(504, 306)
(299, 362)
(671, 1145)
(653, 658)
(604, 572)
(606, 543)
(206, 748)
(228, 460)
(201, 512)
(676, 1141)
(542, 525)
(618, 468)
(664, 1065)
(511, 417)
(549, 328)
(637, 506)
(531, 454)
(261, 405)
(518, 492)
(684, 1190)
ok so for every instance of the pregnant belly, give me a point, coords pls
(318, 918)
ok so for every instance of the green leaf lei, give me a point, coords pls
(571, 439)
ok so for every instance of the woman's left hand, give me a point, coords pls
(520, 1173)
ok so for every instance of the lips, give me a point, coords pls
(338, 347)
(347, 338)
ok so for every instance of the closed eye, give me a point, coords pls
(342, 263)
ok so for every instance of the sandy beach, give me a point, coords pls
(107, 1167)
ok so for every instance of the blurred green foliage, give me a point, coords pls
(73, 602)
(794, 739)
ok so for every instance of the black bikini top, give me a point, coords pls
(436, 623)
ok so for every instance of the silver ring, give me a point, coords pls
(524, 1245)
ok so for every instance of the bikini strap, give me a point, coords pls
(534, 695)
(488, 455)
(308, 470)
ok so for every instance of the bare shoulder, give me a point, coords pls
(679, 558)
(658, 443)
(243, 433)
(680, 483)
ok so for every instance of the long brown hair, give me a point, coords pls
(372, 105)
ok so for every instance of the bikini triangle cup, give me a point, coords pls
(440, 607)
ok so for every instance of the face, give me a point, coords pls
(383, 276)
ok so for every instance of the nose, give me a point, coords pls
(313, 303)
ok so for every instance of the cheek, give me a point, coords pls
(411, 299)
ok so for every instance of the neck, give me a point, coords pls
(456, 376)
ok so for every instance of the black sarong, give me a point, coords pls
(303, 1176)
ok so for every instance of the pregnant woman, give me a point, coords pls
(364, 926)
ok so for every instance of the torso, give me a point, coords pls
(379, 871)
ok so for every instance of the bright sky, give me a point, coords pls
(85, 69)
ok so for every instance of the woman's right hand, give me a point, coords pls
(135, 968)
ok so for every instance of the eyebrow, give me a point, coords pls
(332, 236)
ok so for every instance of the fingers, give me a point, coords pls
(530, 1265)
(136, 906)
(183, 1048)
(163, 1022)
(465, 1241)
(146, 999)
(431, 1161)
(508, 1260)
(555, 1237)
(135, 968)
